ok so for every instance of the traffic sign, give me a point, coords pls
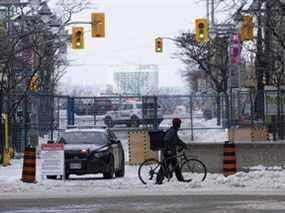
(52, 159)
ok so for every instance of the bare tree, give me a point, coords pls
(30, 47)
(211, 58)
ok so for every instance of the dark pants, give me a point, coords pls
(173, 162)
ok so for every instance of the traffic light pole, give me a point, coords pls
(77, 22)
(169, 38)
(259, 106)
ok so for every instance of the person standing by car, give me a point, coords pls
(171, 142)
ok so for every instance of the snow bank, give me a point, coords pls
(260, 179)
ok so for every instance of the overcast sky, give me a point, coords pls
(131, 27)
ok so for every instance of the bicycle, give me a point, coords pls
(192, 169)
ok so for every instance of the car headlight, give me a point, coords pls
(84, 152)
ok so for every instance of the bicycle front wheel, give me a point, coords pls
(151, 172)
(193, 170)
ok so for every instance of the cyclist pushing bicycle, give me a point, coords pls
(186, 169)
(171, 142)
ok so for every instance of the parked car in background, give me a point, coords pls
(91, 151)
(130, 114)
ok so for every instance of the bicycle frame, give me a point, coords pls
(162, 169)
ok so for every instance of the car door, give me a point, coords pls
(115, 149)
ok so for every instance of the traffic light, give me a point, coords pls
(246, 29)
(77, 37)
(201, 30)
(34, 82)
(98, 25)
(158, 45)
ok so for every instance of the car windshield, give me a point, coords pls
(84, 137)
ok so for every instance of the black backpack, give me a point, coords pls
(156, 139)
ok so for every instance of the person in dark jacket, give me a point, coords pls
(171, 142)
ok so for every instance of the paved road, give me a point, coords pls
(166, 204)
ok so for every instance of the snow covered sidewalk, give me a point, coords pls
(259, 180)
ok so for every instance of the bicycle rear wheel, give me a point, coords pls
(151, 172)
(193, 170)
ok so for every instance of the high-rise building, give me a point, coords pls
(137, 79)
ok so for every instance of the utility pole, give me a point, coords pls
(213, 12)
(268, 42)
(224, 31)
(208, 9)
(259, 103)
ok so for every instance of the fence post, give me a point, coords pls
(155, 113)
(70, 111)
(58, 115)
(26, 119)
(251, 106)
(2, 140)
(191, 116)
(94, 109)
(52, 117)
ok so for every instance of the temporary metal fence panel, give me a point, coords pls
(34, 117)
(242, 108)
(243, 111)
(275, 113)
(198, 114)
(42, 116)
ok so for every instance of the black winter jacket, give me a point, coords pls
(171, 140)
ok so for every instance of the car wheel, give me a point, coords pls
(110, 174)
(66, 175)
(135, 121)
(51, 176)
(109, 122)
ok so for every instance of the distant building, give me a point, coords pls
(170, 90)
(137, 80)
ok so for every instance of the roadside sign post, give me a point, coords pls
(52, 160)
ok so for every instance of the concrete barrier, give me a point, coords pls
(249, 154)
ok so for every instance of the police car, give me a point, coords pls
(91, 151)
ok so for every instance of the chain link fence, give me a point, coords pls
(38, 117)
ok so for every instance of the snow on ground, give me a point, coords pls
(260, 179)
